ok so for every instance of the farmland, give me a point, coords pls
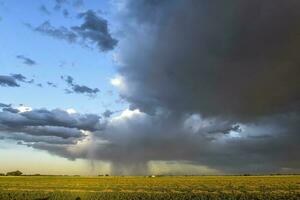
(179, 187)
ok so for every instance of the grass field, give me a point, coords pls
(183, 187)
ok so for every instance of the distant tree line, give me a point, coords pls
(13, 173)
(103, 175)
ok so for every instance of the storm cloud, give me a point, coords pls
(133, 139)
(235, 59)
(41, 125)
(264, 146)
(233, 64)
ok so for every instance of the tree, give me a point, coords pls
(14, 173)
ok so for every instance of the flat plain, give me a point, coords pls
(165, 187)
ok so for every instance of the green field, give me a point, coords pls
(183, 187)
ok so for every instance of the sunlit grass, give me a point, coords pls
(180, 187)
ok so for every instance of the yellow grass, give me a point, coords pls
(179, 187)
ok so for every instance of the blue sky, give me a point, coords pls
(55, 58)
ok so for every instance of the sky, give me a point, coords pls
(129, 87)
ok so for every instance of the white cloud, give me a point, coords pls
(71, 111)
(24, 109)
(127, 114)
(118, 82)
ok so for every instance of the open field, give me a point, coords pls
(183, 187)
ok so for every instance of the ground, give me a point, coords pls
(166, 187)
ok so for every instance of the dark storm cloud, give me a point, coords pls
(148, 138)
(206, 142)
(79, 89)
(93, 31)
(40, 139)
(235, 63)
(235, 128)
(237, 59)
(48, 131)
(43, 117)
(44, 126)
(57, 131)
(60, 150)
(8, 81)
(26, 60)
(44, 10)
